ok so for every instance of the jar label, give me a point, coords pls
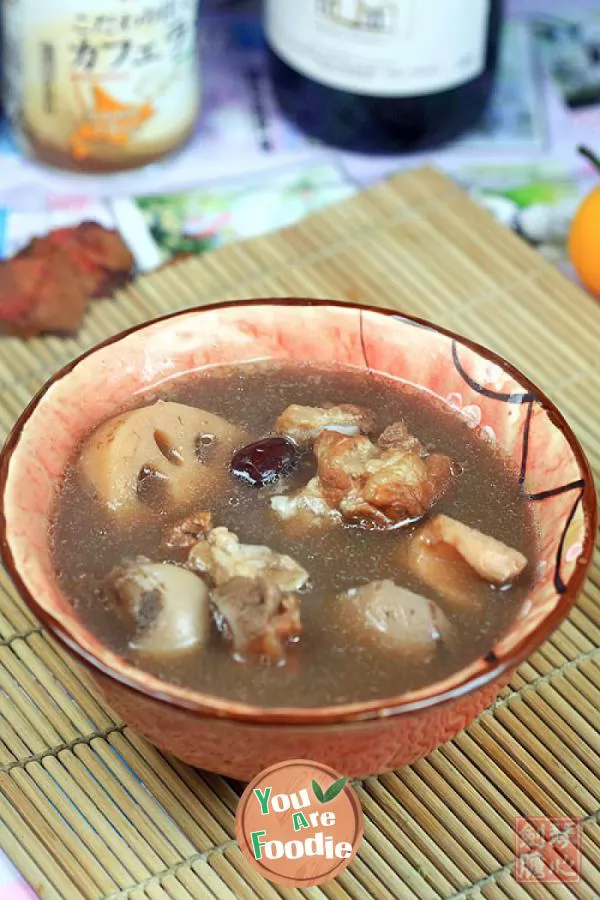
(102, 80)
(385, 48)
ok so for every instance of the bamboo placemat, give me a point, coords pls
(89, 810)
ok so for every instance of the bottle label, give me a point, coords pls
(385, 48)
(102, 79)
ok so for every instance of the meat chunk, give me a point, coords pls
(254, 592)
(168, 606)
(305, 423)
(138, 457)
(380, 486)
(386, 615)
(222, 557)
(189, 531)
(491, 559)
(377, 485)
(452, 558)
(46, 286)
(341, 463)
(306, 508)
(397, 436)
(258, 616)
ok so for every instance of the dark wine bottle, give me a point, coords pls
(383, 76)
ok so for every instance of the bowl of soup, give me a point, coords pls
(292, 528)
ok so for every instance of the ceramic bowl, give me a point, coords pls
(359, 738)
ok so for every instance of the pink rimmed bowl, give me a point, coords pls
(359, 738)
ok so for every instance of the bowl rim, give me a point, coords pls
(491, 667)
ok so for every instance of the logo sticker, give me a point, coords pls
(299, 823)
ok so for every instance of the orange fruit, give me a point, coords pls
(584, 238)
(584, 242)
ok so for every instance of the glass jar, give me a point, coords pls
(101, 85)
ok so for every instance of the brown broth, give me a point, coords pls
(327, 666)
